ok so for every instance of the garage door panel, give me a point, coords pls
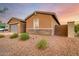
(14, 28)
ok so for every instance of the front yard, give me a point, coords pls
(56, 46)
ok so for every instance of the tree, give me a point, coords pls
(3, 10)
(2, 25)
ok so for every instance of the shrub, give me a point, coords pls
(14, 35)
(24, 36)
(42, 44)
(1, 36)
(76, 28)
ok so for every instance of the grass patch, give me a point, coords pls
(14, 35)
(24, 36)
(42, 44)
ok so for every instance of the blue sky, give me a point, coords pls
(64, 12)
(17, 10)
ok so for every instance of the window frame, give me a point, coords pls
(36, 23)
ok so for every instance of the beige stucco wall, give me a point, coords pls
(13, 21)
(18, 23)
(53, 23)
(71, 31)
(45, 21)
(22, 27)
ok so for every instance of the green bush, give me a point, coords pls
(24, 36)
(76, 28)
(14, 35)
(42, 44)
(1, 36)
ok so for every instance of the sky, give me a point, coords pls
(65, 12)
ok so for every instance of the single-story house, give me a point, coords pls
(16, 25)
(40, 22)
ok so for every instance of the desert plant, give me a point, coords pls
(77, 28)
(42, 44)
(14, 35)
(1, 36)
(24, 36)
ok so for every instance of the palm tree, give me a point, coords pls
(3, 10)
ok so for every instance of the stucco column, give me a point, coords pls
(53, 28)
(18, 25)
(9, 29)
(71, 31)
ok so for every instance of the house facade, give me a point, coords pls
(40, 22)
(16, 25)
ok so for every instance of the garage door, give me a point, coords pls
(14, 28)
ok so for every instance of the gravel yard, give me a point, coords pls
(56, 46)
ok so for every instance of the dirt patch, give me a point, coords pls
(56, 46)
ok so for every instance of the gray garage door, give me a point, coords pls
(14, 28)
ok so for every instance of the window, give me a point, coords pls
(36, 23)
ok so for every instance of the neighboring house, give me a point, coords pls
(40, 22)
(16, 25)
